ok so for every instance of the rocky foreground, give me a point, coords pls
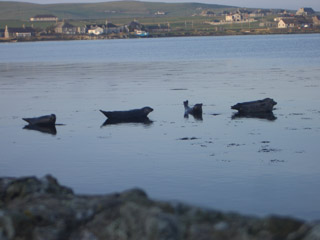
(41, 209)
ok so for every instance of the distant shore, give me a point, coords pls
(61, 37)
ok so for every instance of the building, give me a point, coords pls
(111, 28)
(159, 13)
(82, 30)
(300, 22)
(237, 17)
(229, 18)
(108, 28)
(65, 28)
(305, 12)
(95, 30)
(135, 25)
(286, 23)
(44, 18)
(316, 20)
(22, 32)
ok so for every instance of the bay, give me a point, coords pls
(248, 165)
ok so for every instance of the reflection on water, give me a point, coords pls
(196, 116)
(44, 129)
(244, 164)
(145, 121)
(264, 115)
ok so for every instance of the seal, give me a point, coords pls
(129, 115)
(195, 111)
(259, 106)
(47, 120)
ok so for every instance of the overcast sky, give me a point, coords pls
(285, 4)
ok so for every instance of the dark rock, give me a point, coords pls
(34, 209)
(11, 188)
(314, 233)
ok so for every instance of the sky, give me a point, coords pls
(283, 4)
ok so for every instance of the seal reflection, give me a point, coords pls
(145, 121)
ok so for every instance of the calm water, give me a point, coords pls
(249, 165)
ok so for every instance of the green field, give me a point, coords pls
(183, 16)
(183, 19)
(105, 10)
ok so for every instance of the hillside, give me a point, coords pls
(23, 11)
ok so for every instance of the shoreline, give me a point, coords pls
(162, 35)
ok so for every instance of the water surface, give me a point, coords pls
(249, 165)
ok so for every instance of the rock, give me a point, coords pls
(36, 209)
(11, 188)
(314, 233)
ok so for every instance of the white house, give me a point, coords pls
(96, 31)
(229, 18)
(295, 22)
(44, 18)
(286, 23)
(159, 13)
(237, 17)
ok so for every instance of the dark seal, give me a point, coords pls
(47, 120)
(195, 111)
(259, 106)
(129, 115)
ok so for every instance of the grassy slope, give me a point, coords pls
(23, 11)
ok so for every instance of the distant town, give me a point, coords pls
(205, 23)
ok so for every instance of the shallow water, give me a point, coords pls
(249, 165)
